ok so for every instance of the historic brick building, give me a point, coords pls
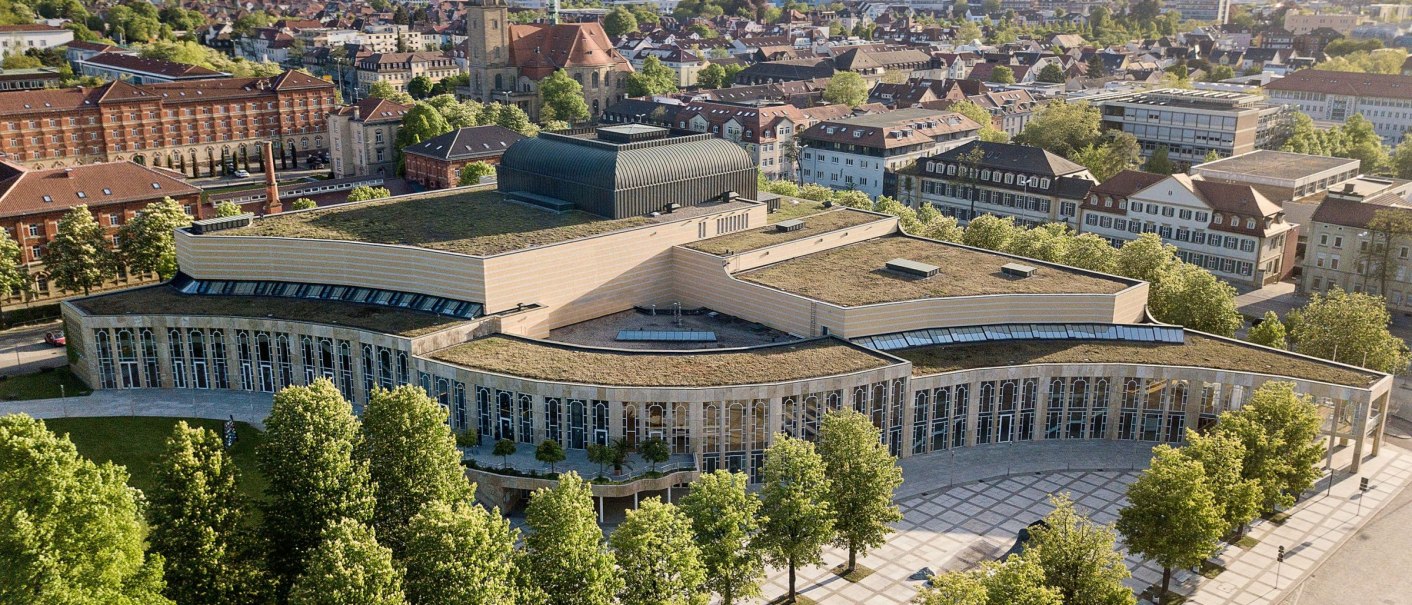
(192, 127)
(33, 201)
(436, 162)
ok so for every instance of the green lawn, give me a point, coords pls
(42, 385)
(137, 442)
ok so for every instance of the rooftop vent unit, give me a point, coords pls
(790, 225)
(1017, 270)
(221, 224)
(912, 268)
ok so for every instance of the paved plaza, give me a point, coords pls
(957, 527)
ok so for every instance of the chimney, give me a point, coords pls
(272, 203)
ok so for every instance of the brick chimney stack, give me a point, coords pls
(272, 203)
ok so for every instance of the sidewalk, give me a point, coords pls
(251, 408)
(1319, 525)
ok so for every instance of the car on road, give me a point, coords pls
(55, 339)
(242, 174)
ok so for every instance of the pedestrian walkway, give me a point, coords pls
(218, 404)
(962, 508)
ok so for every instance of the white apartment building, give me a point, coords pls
(361, 137)
(1343, 251)
(1232, 230)
(385, 38)
(1334, 96)
(856, 153)
(20, 38)
(398, 69)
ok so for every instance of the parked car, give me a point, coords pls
(55, 339)
(241, 174)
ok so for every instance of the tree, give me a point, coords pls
(349, 567)
(1051, 73)
(655, 451)
(385, 90)
(862, 477)
(600, 454)
(563, 97)
(313, 476)
(419, 87)
(1222, 457)
(459, 553)
(1159, 163)
(363, 193)
(990, 232)
(148, 241)
(79, 257)
(724, 523)
(303, 203)
(1401, 160)
(846, 88)
(196, 515)
(564, 559)
(1277, 428)
(1376, 260)
(619, 21)
(659, 560)
(1146, 258)
(14, 274)
(513, 118)
(549, 452)
(1190, 296)
(853, 199)
(1062, 127)
(1048, 242)
(421, 122)
(472, 173)
(412, 459)
(458, 114)
(504, 448)
(795, 503)
(1002, 75)
(227, 209)
(71, 531)
(1219, 72)
(1096, 68)
(1270, 332)
(980, 115)
(712, 76)
(1017, 581)
(1079, 557)
(1171, 516)
(1090, 251)
(653, 79)
(1348, 327)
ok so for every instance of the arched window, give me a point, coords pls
(595, 79)
(499, 82)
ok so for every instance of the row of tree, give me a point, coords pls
(1255, 460)
(379, 511)
(81, 256)
(1347, 327)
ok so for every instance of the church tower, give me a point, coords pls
(488, 47)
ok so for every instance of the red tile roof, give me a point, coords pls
(540, 49)
(1345, 83)
(24, 191)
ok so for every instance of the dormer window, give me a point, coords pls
(1250, 223)
(1235, 221)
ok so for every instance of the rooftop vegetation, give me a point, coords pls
(467, 222)
(854, 275)
(541, 361)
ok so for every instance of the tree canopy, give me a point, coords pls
(653, 79)
(79, 258)
(724, 523)
(349, 568)
(563, 97)
(657, 553)
(1171, 517)
(458, 553)
(148, 241)
(1348, 327)
(862, 479)
(798, 518)
(564, 559)
(847, 88)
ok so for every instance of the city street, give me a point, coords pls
(24, 349)
(1385, 543)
